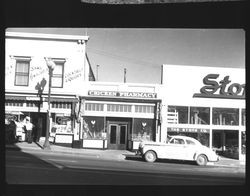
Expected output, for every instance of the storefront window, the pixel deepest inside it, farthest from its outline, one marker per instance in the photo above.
(243, 142)
(143, 129)
(202, 135)
(225, 116)
(199, 115)
(177, 114)
(93, 128)
(243, 117)
(225, 142)
(61, 124)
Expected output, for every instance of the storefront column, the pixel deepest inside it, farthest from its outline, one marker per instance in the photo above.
(240, 133)
(210, 130)
(210, 138)
(223, 138)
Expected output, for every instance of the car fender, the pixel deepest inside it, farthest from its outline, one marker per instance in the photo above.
(197, 153)
(149, 148)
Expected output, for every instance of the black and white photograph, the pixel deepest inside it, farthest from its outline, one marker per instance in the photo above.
(125, 106)
(114, 97)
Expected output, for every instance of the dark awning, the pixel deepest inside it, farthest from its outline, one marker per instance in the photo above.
(9, 97)
(54, 99)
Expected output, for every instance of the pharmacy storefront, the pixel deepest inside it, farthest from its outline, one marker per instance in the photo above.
(119, 117)
(207, 103)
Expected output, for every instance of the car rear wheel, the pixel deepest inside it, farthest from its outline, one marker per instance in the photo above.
(201, 160)
(150, 156)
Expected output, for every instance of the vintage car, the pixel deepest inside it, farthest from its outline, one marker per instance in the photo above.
(179, 148)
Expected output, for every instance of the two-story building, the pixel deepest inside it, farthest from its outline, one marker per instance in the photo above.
(26, 80)
(207, 103)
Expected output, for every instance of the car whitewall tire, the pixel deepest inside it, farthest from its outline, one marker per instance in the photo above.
(201, 160)
(150, 156)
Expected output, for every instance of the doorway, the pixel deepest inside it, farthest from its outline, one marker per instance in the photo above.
(117, 135)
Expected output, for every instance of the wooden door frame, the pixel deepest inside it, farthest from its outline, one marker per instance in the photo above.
(118, 123)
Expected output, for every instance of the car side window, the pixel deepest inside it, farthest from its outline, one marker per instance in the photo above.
(177, 141)
(189, 142)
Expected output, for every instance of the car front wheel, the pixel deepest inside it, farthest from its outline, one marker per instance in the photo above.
(150, 156)
(201, 160)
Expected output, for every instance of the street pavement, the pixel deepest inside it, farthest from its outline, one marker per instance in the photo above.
(103, 154)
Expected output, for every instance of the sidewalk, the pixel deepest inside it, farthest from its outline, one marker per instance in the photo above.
(104, 154)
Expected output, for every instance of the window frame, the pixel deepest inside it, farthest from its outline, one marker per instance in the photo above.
(58, 62)
(22, 59)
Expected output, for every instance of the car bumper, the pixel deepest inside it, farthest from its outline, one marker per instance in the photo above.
(139, 152)
(215, 159)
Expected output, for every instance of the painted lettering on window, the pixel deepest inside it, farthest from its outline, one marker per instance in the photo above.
(222, 89)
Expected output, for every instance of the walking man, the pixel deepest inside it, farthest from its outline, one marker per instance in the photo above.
(28, 126)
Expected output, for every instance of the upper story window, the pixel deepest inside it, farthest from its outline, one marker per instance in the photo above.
(225, 116)
(22, 71)
(243, 117)
(57, 76)
(200, 115)
(177, 114)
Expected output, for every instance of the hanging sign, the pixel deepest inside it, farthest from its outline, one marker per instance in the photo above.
(222, 89)
(122, 94)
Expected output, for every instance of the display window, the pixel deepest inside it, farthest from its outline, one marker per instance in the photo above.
(226, 142)
(200, 115)
(143, 129)
(61, 124)
(225, 116)
(93, 128)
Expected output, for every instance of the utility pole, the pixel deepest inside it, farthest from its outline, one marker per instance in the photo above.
(97, 66)
(125, 77)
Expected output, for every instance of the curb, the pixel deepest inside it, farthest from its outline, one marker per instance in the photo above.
(53, 151)
(118, 157)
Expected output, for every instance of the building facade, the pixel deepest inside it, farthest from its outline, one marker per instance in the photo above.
(26, 81)
(207, 103)
(118, 115)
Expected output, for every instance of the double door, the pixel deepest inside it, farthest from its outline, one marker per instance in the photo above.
(117, 135)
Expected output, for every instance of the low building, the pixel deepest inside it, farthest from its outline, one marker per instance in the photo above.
(207, 103)
(118, 115)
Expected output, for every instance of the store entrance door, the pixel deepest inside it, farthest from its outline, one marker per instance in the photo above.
(117, 136)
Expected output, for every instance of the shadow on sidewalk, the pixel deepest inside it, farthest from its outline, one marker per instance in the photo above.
(139, 158)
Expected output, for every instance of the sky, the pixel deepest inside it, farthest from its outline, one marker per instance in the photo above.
(142, 51)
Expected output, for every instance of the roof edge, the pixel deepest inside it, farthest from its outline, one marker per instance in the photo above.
(46, 36)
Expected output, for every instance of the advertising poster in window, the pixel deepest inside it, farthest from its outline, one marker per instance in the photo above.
(93, 128)
(143, 129)
(62, 125)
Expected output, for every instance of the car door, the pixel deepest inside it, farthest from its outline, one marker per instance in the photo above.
(176, 149)
(191, 148)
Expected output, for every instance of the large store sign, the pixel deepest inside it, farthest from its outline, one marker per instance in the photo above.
(221, 89)
(190, 130)
(122, 94)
